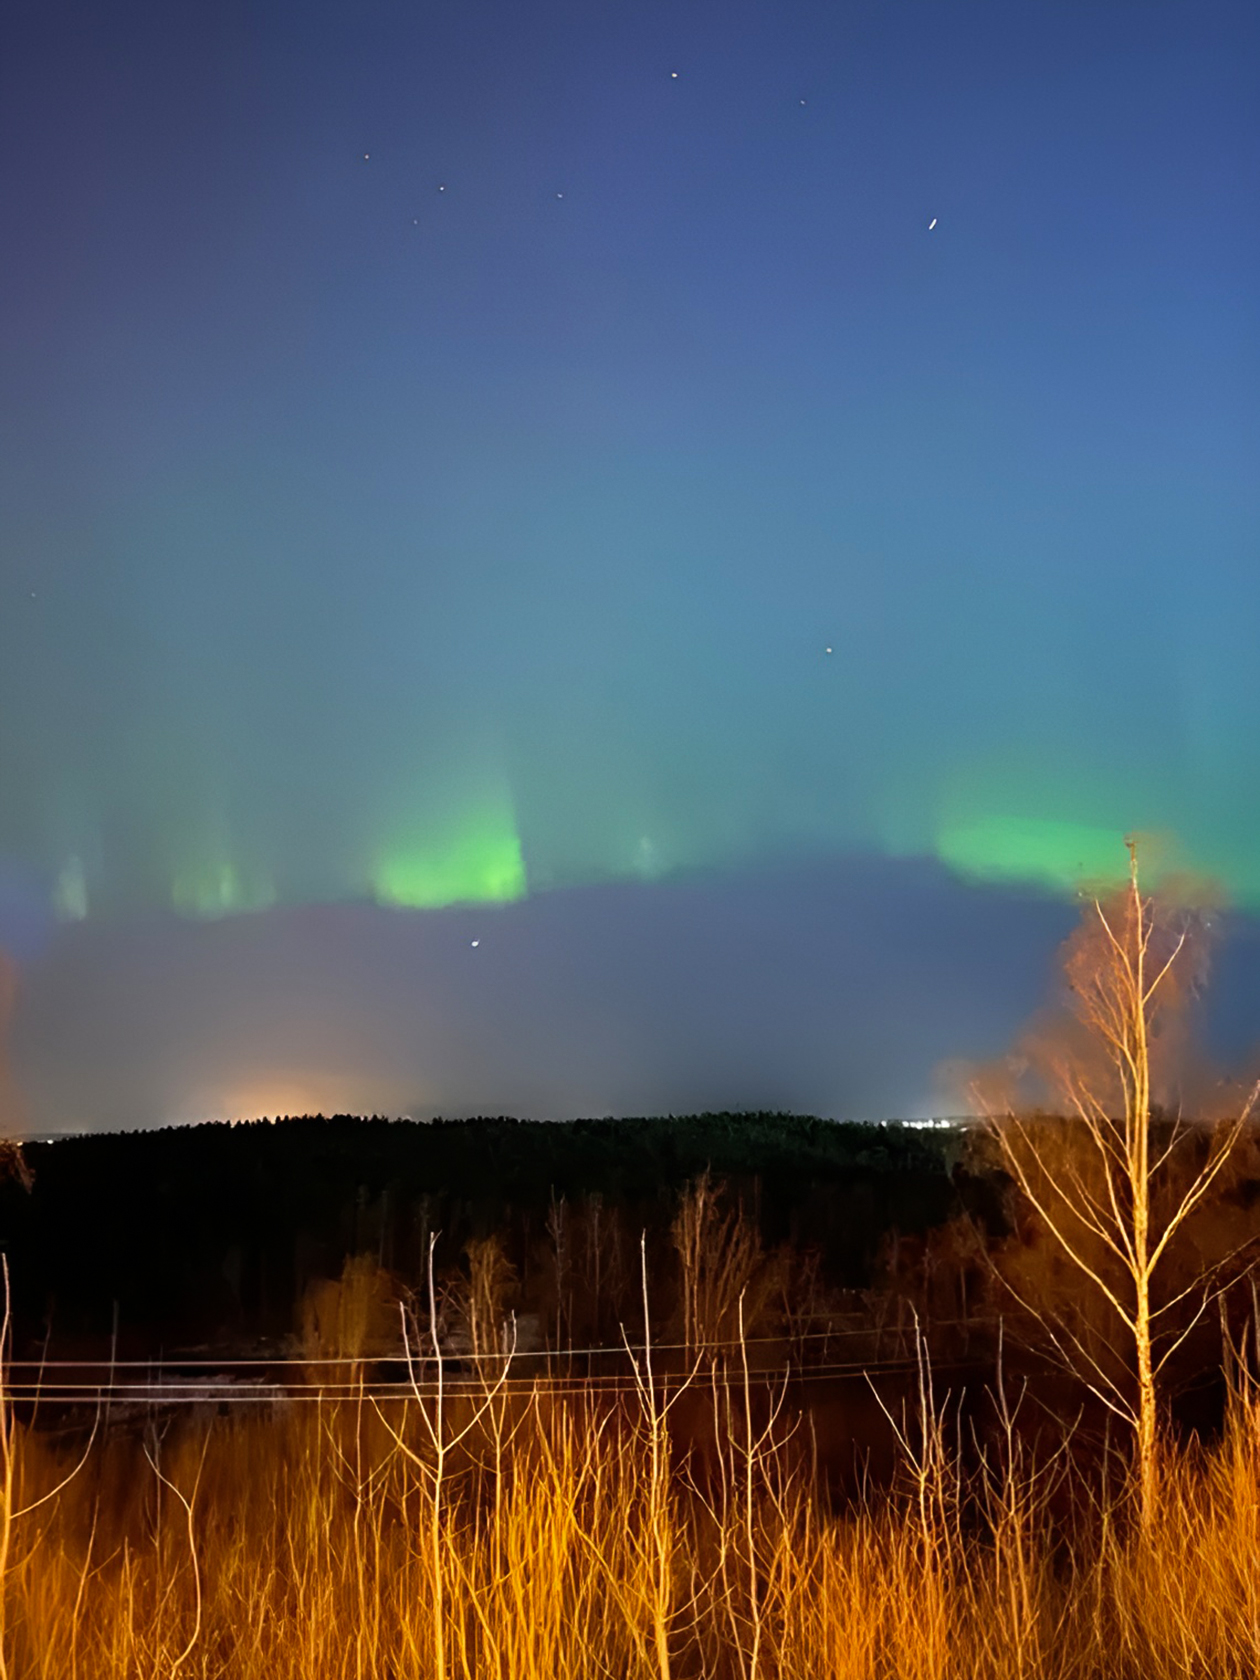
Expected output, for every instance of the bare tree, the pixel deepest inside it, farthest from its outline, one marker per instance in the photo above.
(725, 1274)
(1116, 1179)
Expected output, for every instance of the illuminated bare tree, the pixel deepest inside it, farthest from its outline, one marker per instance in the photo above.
(1115, 1180)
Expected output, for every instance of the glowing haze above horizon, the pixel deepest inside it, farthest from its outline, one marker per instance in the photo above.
(568, 471)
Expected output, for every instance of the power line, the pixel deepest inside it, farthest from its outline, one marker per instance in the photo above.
(176, 1363)
(203, 1393)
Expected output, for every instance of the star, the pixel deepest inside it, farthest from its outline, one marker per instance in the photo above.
(442, 187)
(475, 943)
(802, 101)
(559, 195)
(827, 650)
(366, 156)
(673, 75)
(932, 224)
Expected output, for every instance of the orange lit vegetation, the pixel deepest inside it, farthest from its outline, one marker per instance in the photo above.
(1120, 1185)
(474, 1523)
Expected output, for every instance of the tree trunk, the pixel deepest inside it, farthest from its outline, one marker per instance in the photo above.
(1147, 1420)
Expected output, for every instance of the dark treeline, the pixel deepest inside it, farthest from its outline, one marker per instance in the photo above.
(215, 1234)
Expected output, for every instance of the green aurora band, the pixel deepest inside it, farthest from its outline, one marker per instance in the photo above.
(476, 855)
(478, 861)
(1061, 856)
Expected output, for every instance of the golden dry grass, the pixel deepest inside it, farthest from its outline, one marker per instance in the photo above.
(304, 1545)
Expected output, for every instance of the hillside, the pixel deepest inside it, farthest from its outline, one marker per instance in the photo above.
(213, 1233)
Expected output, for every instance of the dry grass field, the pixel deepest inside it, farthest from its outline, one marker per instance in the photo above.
(522, 1529)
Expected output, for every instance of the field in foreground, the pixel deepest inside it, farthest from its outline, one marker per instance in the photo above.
(492, 1528)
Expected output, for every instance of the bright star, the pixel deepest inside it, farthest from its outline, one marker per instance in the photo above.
(932, 224)
(475, 943)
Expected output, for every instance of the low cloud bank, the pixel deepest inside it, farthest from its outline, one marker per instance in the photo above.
(833, 988)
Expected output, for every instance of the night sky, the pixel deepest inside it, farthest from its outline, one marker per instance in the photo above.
(737, 509)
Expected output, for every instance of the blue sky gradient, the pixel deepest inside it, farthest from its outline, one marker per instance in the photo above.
(441, 445)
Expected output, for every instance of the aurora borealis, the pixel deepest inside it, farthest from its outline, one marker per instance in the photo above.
(463, 456)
